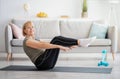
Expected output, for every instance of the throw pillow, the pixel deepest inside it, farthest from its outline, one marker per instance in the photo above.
(98, 30)
(17, 31)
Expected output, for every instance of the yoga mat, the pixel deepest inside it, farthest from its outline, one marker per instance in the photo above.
(60, 69)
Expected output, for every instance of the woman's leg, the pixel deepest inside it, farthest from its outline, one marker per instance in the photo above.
(47, 60)
(64, 41)
(50, 55)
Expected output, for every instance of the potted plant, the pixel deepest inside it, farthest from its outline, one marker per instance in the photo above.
(84, 9)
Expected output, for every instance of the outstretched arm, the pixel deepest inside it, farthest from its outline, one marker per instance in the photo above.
(44, 45)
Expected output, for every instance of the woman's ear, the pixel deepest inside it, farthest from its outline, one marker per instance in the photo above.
(24, 32)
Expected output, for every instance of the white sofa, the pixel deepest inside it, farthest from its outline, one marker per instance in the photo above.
(46, 29)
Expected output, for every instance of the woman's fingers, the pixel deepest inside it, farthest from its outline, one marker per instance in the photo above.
(71, 47)
(64, 48)
(67, 48)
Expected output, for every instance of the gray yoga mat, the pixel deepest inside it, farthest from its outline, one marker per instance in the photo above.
(60, 69)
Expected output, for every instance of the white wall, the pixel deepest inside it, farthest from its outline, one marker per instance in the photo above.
(54, 8)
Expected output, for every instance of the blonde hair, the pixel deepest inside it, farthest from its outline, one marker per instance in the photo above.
(25, 25)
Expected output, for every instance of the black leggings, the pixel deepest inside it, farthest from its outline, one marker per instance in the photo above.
(48, 59)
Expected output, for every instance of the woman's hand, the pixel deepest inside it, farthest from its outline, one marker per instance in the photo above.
(71, 47)
(64, 48)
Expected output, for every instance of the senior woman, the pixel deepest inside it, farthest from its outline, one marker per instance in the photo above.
(43, 54)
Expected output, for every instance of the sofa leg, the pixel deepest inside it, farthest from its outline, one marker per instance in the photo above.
(9, 56)
(113, 56)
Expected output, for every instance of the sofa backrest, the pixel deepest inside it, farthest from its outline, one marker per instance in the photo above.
(48, 28)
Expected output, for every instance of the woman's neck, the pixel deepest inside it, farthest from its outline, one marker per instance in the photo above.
(31, 37)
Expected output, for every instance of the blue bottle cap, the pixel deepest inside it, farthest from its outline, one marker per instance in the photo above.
(104, 51)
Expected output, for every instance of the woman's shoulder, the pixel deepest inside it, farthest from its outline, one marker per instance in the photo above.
(26, 38)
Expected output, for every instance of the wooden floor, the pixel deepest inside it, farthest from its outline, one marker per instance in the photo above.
(66, 60)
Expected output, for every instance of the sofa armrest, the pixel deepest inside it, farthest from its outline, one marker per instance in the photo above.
(112, 34)
(8, 38)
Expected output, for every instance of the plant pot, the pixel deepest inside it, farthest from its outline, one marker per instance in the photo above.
(84, 14)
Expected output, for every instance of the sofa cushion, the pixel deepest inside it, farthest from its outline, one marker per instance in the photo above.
(101, 42)
(98, 30)
(19, 42)
(17, 31)
(75, 28)
(45, 28)
(97, 42)
(46, 40)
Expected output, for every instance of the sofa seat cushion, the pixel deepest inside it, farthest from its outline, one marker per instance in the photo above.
(19, 42)
(101, 42)
(46, 40)
(97, 42)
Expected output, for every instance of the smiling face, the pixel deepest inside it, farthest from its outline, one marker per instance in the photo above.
(28, 29)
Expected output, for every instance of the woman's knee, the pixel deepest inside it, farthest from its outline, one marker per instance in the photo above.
(57, 37)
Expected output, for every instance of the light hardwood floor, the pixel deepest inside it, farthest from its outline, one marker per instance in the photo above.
(65, 59)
